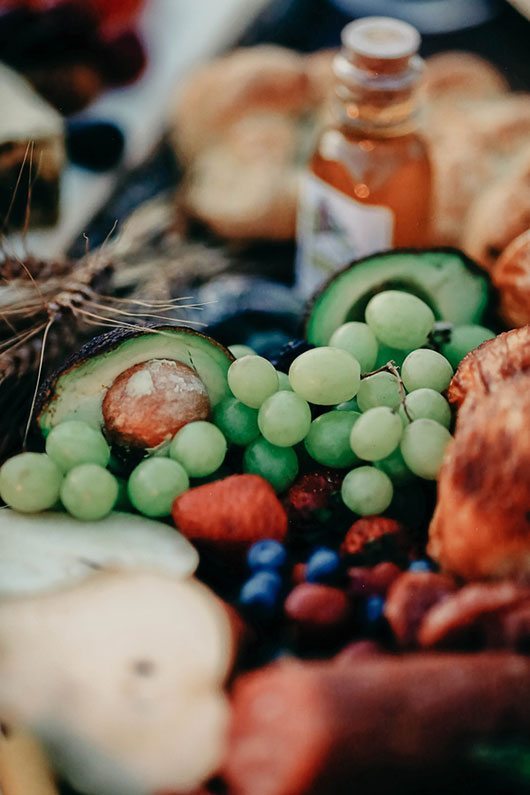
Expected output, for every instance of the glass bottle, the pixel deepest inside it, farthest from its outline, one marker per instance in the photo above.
(368, 185)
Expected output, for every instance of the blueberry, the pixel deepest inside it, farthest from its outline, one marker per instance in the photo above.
(323, 565)
(289, 352)
(373, 609)
(95, 145)
(266, 554)
(420, 565)
(261, 591)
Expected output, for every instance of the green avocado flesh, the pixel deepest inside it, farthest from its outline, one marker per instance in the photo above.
(446, 280)
(78, 391)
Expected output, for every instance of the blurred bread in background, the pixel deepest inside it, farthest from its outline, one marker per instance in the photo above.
(244, 126)
(511, 276)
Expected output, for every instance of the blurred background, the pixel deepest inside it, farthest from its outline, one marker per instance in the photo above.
(188, 174)
(122, 61)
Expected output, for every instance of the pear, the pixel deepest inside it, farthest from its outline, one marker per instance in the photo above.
(41, 552)
(120, 677)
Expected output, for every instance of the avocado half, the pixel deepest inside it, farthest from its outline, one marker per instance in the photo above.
(446, 279)
(77, 389)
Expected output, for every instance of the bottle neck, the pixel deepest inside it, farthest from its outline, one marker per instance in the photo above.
(376, 97)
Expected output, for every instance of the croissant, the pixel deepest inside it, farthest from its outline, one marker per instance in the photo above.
(511, 277)
(481, 525)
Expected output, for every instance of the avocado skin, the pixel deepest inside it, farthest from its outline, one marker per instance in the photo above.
(314, 303)
(103, 343)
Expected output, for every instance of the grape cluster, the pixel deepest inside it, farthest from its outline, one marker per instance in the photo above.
(386, 426)
(382, 427)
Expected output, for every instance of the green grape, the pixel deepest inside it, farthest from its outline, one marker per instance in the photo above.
(328, 440)
(425, 369)
(161, 451)
(423, 445)
(381, 389)
(463, 340)
(123, 502)
(325, 376)
(376, 433)
(154, 485)
(30, 482)
(359, 340)
(284, 383)
(75, 442)
(278, 465)
(252, 380)
(348, 405)
(238, 423)
(89, 492)
(399, 319)
(367, 491)
(386, 355)
(238, 351)
(394, 466)
(284, 419)
(425, 404)
(200, 447)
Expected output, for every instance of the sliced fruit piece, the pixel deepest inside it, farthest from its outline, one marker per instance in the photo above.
(78, 389)
(448, 281)
(121, 678)
(46, 551)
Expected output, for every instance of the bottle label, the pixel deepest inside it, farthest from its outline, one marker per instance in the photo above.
(334, 229)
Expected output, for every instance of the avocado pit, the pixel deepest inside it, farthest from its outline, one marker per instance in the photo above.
(148, 403)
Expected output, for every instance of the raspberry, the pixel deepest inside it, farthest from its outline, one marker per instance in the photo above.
(368, 529)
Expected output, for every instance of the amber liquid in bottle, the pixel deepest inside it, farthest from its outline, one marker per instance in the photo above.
(374, 155)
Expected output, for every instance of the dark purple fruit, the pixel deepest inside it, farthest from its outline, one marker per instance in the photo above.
(94, 145)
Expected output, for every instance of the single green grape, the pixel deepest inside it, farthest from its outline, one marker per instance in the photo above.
(75, 442)
(237, 422)
(200, 447)
(380, 389)
(154, 485)
(399, 319)
(328, 440)
(30, 482)
(348, 405)
(423, 446)
(252, 380)
(283, 381)
(284, 419)
(463, 340)
(278, 465)
(425, 404)
(89, 492)
(325, 376)
(359, 340)
(425, 369)
(395, 467)
(376, 433)
(367, 491)
(238, 351)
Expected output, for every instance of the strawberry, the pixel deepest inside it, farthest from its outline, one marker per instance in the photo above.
(230, 514)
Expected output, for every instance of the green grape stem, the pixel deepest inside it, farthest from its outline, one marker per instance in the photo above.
(393, 368)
